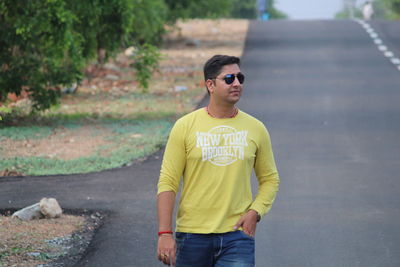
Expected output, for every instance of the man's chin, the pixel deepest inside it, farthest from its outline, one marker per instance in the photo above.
(234, 100)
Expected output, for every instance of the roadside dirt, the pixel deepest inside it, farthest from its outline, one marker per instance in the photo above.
(186, 48)
(63, 143)
(46, 242)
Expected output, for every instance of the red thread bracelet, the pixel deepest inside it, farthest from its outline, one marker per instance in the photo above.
(165, 232)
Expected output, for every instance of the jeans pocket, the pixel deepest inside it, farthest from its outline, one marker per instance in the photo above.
(246, 235)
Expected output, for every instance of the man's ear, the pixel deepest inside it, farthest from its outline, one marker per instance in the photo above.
(210, 85)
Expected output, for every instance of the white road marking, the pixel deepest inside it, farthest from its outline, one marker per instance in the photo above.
(379, 43)
(395, 61)
(382, 48)
(388, 54)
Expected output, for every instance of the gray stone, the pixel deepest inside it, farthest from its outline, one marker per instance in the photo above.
(130, 51)
(29, 213)
(112, 77)
(33, 254)
(50, 208)
(193, 42)
(111, 66)
(180, 88)
(70, 90)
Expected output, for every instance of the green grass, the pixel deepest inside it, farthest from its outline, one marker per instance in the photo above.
(25, 132)
(121, 149)
(134, 125)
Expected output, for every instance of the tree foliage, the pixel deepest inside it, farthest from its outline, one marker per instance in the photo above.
(275, 13)
(198, 9)
(393, 7)
(145, 62)
(45, 45)
(38, 49)
(244, 9)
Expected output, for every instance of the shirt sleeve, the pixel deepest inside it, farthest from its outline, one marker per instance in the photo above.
(267, 175)
(174, 160)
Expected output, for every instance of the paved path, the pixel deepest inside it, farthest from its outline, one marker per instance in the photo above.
(331, 103)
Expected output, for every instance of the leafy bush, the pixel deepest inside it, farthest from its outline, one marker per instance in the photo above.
(244, 9)
(198, 9)
(393, 8)
(148, 22)
(275, 13)
(4, 110)
(44, 45)
(146, 62)
(38, 50)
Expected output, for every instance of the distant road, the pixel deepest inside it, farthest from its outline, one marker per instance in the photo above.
(331, 102)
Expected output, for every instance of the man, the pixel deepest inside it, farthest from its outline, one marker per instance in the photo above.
(368, 10)
(214, 150)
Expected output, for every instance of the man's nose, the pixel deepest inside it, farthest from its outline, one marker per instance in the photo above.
(236, 81)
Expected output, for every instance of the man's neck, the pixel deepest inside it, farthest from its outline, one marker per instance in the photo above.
(221, 111)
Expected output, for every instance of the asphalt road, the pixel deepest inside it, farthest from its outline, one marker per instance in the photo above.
(330, 100)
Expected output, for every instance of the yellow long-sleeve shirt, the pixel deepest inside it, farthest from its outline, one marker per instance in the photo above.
(216, 157)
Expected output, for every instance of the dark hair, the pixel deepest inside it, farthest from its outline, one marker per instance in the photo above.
(214, 65)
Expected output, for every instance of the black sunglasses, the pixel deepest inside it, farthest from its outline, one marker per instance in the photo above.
(230, 78)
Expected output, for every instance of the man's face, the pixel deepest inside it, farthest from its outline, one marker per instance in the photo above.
(223, 92)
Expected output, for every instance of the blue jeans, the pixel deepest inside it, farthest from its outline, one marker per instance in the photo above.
(232, 249)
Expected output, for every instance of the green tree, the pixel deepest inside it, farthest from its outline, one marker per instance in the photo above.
(104, 26)
(345, 13)
(244, 9)
(38, 49)
(146, 61)
(149, 18)
(44, 45)
(393, 8)
(198, 9)
(275, 13)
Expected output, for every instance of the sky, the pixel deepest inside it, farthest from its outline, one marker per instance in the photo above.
(310, 9)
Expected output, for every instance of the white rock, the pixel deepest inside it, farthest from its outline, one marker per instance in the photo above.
(29, 213)
(130, 51)
(33, 254)
(70, 90)
(50, 208)
(112, 77)
(111, 66)
(193, 42)
(180, 88)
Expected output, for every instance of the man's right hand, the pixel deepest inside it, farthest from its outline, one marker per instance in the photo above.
(166, 249)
